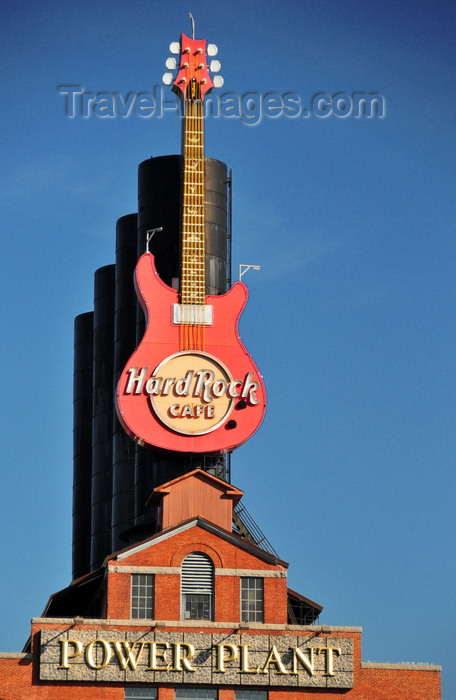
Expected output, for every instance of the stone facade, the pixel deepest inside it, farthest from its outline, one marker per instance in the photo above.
(286, 660)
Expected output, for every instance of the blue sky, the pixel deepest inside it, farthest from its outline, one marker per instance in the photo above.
(351, 318)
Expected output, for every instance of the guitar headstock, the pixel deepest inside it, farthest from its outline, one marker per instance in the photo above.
(193, 70)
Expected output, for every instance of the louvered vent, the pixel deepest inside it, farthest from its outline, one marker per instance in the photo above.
(197, 586)
(197, 574)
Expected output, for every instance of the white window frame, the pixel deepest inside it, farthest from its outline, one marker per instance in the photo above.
(249, 614)
(148, 586)
(197, 579)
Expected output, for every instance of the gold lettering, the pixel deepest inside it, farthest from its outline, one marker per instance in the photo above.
(129, 659)
(245, 660)
(107, 653)
(65, 655)
(154, 654)
(308, 663)
(329, 658)
(181, 658)
(274, 658)
(222, 659)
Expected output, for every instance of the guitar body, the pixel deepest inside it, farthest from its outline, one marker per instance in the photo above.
(189, 388)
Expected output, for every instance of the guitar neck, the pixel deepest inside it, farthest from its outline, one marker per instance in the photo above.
(193, 258)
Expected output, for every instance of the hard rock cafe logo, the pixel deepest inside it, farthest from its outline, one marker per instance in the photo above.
(192, 392)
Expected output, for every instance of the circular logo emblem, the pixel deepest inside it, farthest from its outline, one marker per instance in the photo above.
(192, 392)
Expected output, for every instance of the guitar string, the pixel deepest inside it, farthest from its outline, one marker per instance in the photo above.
(192, 334)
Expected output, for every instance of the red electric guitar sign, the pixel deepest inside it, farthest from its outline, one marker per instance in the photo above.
(191, 385)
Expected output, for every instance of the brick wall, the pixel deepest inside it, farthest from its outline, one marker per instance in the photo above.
(418, 682)
(20, 674)
(224, 555)
(17, 682)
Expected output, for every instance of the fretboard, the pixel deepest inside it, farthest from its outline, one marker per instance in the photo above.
(193, 263)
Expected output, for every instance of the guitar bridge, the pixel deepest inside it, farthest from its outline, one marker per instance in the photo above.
(192, 314)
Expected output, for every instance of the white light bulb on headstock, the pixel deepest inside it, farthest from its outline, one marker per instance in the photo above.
(218, 81)
(212, 50)
(174, 47)
(171, 63)
(167, 78)
(215, 66)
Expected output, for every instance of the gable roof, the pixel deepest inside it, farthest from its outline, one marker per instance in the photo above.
(201, 475)
(174, 530)
(196, 493)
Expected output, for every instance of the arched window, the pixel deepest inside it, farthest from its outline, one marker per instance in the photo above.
(197, 583)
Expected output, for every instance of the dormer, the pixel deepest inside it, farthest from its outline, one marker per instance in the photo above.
(195, 494)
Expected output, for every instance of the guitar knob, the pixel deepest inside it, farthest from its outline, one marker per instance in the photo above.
(212, 50)
(218, 81)
(171, 63)
(215, 66)
(174, 47)
(167, 78)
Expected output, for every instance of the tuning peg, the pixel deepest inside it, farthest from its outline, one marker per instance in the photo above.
(218, 81)
(212, 50)
(167, 78)
(215, 66)
(171, 63)
(174, 47)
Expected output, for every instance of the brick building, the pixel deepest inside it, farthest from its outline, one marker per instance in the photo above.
(196, 611)
(174, 596)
